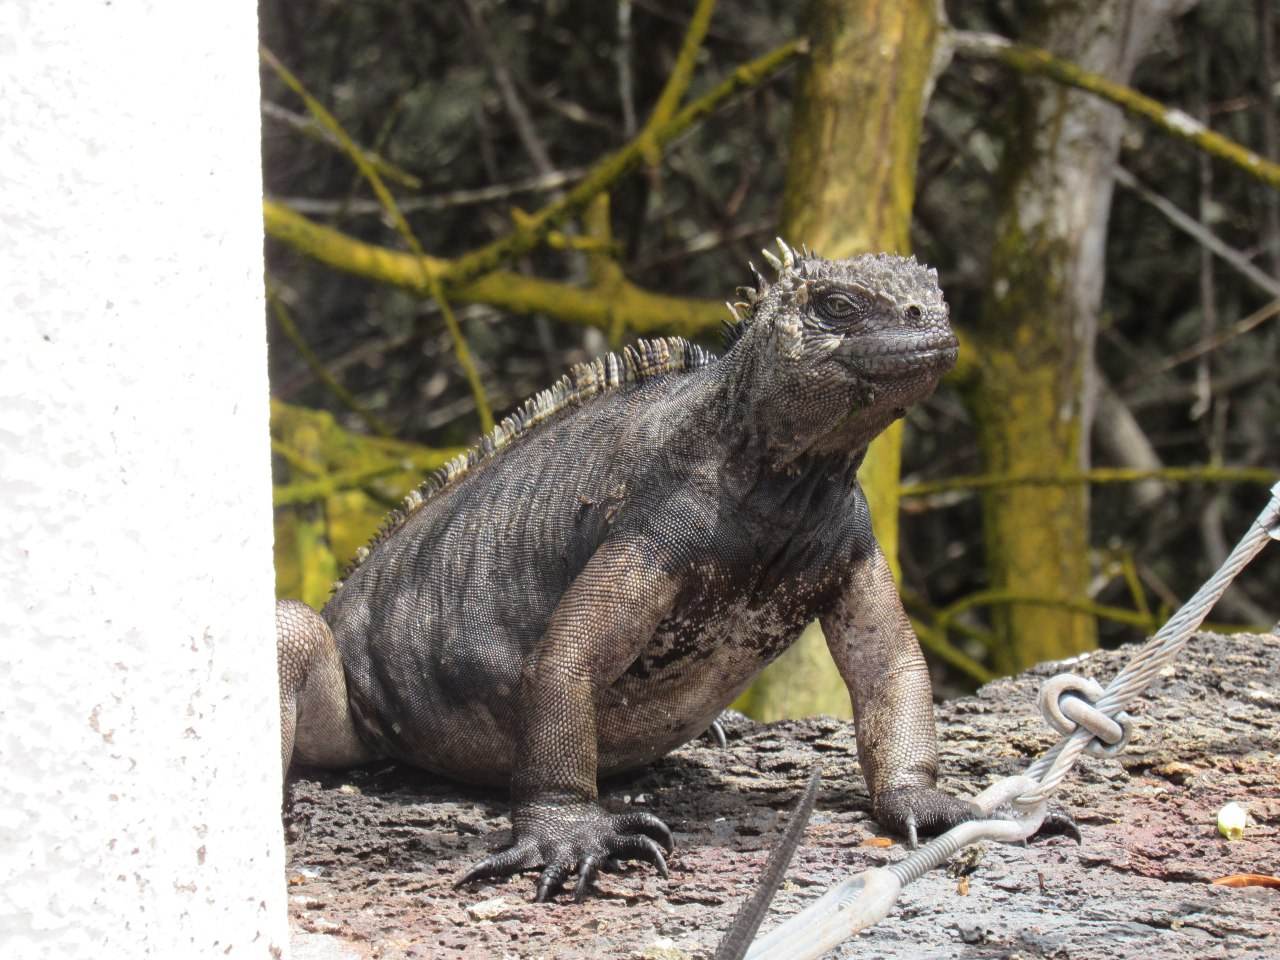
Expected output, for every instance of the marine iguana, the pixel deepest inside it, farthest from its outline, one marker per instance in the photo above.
(592, 584)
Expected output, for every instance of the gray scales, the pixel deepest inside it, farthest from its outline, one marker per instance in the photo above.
(590, 586)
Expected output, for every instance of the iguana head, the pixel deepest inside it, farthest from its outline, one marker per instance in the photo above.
(835, 350)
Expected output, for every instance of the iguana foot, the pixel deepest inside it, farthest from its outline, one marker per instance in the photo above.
(910, 811)
(561, 838)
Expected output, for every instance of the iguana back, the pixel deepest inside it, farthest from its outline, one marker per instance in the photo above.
(437, 617)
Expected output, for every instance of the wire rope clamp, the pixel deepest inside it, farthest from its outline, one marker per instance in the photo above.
(1067, 704)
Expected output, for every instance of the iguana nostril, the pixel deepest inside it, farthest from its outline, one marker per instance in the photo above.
(914, 313)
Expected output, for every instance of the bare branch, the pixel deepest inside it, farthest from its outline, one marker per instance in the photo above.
(312, 360)
(608, 170)
(309, 127)
(1176, 123)
(330, 123)
(1193, 227)
(511, 99)
(1239, 328)
(626, 85)
(1117, 431)
(638, 309)
(1270, 146)
(1208, 288)
(438, 201)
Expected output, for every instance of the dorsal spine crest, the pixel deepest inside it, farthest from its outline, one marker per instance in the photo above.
(643, 360)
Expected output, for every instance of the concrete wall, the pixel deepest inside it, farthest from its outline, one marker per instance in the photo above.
(139, 780)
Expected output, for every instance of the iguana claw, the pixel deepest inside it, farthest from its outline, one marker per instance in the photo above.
(910, 811)
(716, 733)
(581, 837)
(1059, 823)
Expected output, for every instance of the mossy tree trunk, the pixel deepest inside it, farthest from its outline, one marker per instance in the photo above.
(1031, 398)
(850, 187)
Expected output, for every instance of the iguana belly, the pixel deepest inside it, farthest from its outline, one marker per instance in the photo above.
(690, 673)
(692, 668)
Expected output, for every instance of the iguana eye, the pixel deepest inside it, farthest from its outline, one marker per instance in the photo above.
(836, 306)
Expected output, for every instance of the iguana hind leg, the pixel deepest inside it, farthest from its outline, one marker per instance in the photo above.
(315, 718)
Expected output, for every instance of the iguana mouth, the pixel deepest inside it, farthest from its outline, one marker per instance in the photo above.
(895, 357)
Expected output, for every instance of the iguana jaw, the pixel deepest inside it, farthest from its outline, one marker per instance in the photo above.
(894, 357)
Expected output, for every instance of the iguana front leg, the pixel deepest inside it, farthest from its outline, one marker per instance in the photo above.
(878, 656)
(598, 628)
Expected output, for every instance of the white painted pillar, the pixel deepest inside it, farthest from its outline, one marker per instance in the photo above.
(139, 767)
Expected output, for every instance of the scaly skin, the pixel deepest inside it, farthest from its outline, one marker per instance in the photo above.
(594, 592)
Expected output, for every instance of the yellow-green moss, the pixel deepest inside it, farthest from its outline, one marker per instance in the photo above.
(331, 507)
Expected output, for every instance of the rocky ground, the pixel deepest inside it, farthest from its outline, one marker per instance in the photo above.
(373, 853)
